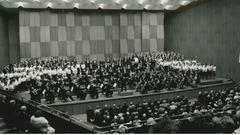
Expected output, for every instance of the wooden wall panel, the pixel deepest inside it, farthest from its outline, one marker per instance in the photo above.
(152, 31)
(88, 34)
(71, 33)
(210, 32)
(130, 32)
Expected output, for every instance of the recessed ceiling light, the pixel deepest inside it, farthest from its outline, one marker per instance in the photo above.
(185, 2)
(117, 1)
(163, 2)
(36, 0)
(20, 4)
(124, 6)
(76, 5)
(101, 6)
(146, 6)
(141, 2)
(92, 1)
(66, 1)
(49, 5)
(168, 6)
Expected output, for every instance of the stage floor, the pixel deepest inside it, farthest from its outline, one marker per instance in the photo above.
(26, 94)
(88, 98)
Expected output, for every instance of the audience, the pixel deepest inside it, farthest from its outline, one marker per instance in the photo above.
(63, 77)
(134, 114)
(22, 119)
(212, 112)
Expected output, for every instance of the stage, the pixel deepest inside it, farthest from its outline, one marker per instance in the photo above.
(74, 112)
(78, 107)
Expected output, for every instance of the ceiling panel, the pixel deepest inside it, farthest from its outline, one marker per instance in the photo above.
(96, 4)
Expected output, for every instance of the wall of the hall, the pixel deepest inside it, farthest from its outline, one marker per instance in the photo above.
(9, 39)
(210, 31)
(4, 49)
(13, 32)
(89, 34)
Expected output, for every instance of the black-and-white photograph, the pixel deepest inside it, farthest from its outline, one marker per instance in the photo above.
(119, 66)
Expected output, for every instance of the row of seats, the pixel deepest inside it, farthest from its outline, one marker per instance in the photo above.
(212, 112)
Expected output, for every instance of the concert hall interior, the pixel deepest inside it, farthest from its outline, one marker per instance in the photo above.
(119, 66)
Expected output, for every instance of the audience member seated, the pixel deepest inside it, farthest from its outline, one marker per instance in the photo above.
(23, 119)
(40, 123)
